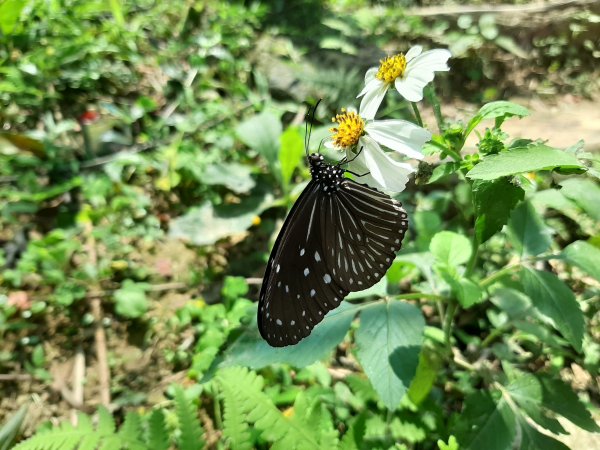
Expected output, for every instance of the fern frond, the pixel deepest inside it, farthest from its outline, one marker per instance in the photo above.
(235, 428)
(283, 432)
(189, 425)
(158, 435)
(84, 437)
(354, 437)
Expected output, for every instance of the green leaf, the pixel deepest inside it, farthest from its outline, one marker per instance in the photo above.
(450, 248)
(261, 133)
(443, 170)
(234, 287)
(206, 224)
(493, 202)
(532, 439)
(157, 431)
(512, 302)
(10, 13)
(553, 298)
(422, 383)
(291, 153)
(527, 231)
(130, 299)
(585, 256)
(353, 438)
(451, 445)
(11, 428)
(585, 193)
(496, 110)
(466, 291)
(389, 341)
(251, 350)
(523, 159)
(234, 176)
(486, 423)
(560, 398)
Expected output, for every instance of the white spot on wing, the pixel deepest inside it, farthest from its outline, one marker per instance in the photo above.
(279, 322)
(306, 272)
(317, 257)
(327, 278)
(312, 292)
(302, 251)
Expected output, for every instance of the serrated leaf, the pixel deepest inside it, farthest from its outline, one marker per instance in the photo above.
(585, 193)
(353, 438)
(389, 341)
(532, 439)
(496, 110)
(560, 398)
(450, 248)
(290, 153)
(157, 431)
(585, 256)
(493, 201)
(486, 424)
(251, 350)
(532, 158)
(191, 432)
(527, 231)
(553, 298)
(233, 176)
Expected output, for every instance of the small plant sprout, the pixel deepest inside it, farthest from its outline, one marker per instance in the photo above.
(362, 141)
(409, 73)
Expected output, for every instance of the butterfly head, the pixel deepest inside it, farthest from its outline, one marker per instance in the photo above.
(329, 176)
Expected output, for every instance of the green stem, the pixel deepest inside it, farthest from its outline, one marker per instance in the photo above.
(418, 296)
(451, 153)
(435, 104)
(452, 308)
(492, 336)
(497, 275)
(473, 260)
(417, 113)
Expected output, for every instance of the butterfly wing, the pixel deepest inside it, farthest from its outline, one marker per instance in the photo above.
(330, 244)
(297, 289)
(364, 229)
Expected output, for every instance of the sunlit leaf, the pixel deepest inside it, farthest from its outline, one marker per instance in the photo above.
(585, 256)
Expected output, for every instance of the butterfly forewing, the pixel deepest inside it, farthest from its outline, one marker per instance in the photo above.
(340, 236)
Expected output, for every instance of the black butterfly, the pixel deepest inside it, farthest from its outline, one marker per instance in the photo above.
(340, 236)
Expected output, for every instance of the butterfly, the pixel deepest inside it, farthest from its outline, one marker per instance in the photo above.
(340, 236)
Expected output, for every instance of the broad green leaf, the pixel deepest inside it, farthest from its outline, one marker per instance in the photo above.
(486, 423)
(553, 198)
(496, 110)
(585, 193)
(532, 439)
(10, 13)
(131, 300)
(553, 298)
(290, 153)
(251, 350)
(389, 341)
(426, 224)
(466, 291)
(421, 385)
(261, 133)
(524, 159)
(450, 248)
(493, 201)
(527, 231)
(560, 398)
(512, 302)
(206, 224)
(585, 256)
(234, 176)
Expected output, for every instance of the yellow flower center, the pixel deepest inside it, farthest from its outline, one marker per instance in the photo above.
(391, 68)
(350, 128)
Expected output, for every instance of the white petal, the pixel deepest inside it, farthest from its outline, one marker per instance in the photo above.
(388, 174)
(370, 75)
(328, 143)
(372, 99)
(411, 88)
(413, 52)
(399, 135)
(373, 84)
(431, 61)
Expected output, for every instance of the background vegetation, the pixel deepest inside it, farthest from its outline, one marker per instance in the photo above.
(148, 154)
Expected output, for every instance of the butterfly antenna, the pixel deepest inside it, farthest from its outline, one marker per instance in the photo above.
(308, 132)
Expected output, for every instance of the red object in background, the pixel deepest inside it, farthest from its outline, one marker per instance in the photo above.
(89, 117)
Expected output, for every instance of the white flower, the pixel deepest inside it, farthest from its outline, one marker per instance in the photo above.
(409, 73)
(355, 136)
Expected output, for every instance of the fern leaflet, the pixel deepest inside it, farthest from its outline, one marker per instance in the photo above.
(191, 431)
